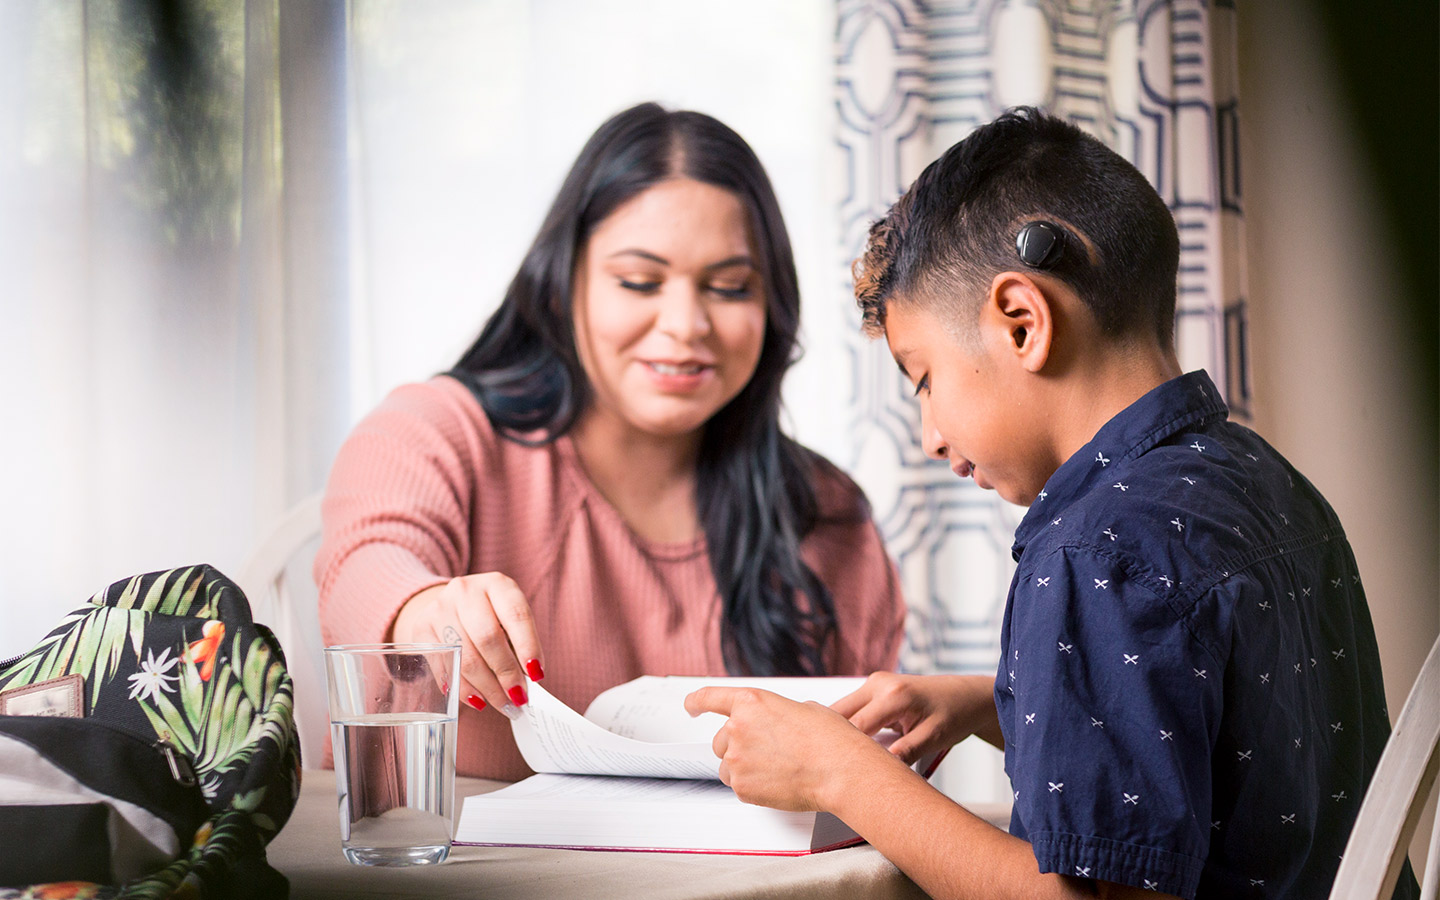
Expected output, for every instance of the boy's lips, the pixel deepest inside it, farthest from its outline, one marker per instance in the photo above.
(962, 467)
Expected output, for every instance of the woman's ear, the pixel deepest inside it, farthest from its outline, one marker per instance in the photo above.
(1018, 311)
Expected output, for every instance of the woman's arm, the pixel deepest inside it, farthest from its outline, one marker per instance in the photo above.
(394, 559)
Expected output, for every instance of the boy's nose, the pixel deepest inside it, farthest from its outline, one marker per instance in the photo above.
(930, 439)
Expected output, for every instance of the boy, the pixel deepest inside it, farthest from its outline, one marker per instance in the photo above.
(1189, 696)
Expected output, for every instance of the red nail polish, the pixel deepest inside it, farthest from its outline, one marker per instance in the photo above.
(444, 687)
(532, 668)
(476, 701)
(517, 695)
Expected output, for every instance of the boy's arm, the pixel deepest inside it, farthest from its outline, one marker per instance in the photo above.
(775, 752)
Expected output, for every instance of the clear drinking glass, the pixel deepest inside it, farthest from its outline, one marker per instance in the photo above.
(393, 709)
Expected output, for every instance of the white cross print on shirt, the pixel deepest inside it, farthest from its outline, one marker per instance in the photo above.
(1243, 755)
(1065, 648)
(1082, 871)
(1188, 480)
(1288, 820)
(1179, 526)
(1338, 654)
(1042, 496)
(1151, 885)
(1096, 723)
(1057, 788)
(1336, 728)
(1056, 520)
(1336, 582)
(1132, 799)
(1043, 582)
(1167, 735)
(1264, 604)
(1253, 456)
(1338, 797)
(1199, 447)
(1102, 584)
(1110, 534)
(1030, 719)
(1257, 882)
(1200, 673)
(1131, 660)
(1264, 677)
(1102, 459)
(1168, 582)
(1122, 486)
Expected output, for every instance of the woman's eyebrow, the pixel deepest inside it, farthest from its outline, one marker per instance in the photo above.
(742, 259)
(644, 254)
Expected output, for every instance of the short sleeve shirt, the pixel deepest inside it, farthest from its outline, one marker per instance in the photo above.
(1190, 689)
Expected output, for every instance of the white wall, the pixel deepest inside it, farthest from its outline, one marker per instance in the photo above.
(1337, 384)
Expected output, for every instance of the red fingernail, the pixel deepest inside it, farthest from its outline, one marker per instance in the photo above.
(517, 695)
(444, 687)
(532, 668)
(476, 701)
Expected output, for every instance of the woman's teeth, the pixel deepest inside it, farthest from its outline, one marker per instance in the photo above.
(669, 369)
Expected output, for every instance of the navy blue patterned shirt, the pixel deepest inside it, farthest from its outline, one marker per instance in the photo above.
(1190, 689)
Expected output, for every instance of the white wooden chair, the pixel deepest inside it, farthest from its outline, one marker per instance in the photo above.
(282, 593)
(1395, 799)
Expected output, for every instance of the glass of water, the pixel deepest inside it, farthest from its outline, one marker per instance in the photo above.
(393, 709)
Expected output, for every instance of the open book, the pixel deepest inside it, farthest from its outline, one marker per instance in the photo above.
(637, 773)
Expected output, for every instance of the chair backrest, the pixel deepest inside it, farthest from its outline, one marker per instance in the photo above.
(278, 582)
(1394, 801)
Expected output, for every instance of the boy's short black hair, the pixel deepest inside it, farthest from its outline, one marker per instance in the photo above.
(955, 229)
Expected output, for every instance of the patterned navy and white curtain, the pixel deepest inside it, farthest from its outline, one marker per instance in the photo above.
(1155, 80)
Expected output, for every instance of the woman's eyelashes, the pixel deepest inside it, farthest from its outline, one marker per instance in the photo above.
(726, 291)
(922, 385)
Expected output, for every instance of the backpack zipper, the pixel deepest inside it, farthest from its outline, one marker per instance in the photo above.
(180, 768)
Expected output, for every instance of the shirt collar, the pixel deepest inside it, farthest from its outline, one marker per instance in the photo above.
(1166, 410)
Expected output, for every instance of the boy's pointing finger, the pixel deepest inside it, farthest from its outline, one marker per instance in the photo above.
(710, 699)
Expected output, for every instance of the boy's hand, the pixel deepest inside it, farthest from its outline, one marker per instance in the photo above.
(931, 712)
(782, 754)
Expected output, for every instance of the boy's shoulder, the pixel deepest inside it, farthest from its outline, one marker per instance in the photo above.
(1181, 498)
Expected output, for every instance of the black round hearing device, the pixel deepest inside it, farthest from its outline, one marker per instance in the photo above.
(1040, 244)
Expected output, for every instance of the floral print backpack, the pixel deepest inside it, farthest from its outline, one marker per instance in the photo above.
(148, 747)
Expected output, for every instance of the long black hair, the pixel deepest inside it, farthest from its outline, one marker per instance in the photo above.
(754, 486)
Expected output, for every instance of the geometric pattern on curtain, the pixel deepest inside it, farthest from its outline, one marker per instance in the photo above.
(1154, 80)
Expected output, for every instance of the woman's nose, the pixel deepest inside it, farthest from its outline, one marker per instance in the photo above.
(683, 315)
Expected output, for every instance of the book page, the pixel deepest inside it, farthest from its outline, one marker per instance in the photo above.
(652, 708)
(554, 738)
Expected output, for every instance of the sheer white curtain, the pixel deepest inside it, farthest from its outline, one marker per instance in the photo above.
(171, 361)
(1155, 80)
(197, 301)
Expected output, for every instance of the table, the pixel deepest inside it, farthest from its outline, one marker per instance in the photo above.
(307, 851)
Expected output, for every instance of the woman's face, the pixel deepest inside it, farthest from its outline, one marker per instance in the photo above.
(669, 308)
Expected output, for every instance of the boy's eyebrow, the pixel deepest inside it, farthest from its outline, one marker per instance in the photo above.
(899, 356)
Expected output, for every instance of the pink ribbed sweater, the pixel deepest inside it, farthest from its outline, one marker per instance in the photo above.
(424, 490)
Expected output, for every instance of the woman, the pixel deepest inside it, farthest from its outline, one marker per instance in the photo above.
(600, 488)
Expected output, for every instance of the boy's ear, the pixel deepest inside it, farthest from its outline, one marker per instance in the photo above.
(1018, 307)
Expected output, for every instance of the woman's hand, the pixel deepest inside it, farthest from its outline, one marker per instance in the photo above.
(782, 754)
(489, 617)
(931, 712)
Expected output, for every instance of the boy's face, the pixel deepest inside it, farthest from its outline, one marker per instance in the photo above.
(973, 405)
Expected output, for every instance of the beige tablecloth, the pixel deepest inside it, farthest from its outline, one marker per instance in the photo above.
(307, 851)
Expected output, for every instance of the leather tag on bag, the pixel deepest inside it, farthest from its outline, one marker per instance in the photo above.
(63, 696)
